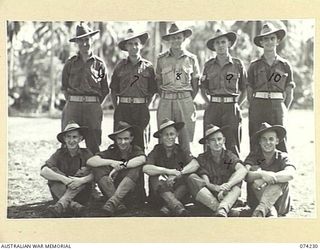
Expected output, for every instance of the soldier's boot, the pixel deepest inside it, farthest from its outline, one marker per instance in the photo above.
(180, 193)
(108, 189)
(125, 186)
(205, 197)
(174, 204)
(69, 195)
(228, 201)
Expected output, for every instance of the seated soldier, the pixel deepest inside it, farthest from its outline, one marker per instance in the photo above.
(217, 183)
(66, 171)
(270, 171)
(167, 165)
(117, 169)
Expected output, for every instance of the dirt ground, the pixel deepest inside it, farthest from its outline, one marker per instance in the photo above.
(32, 140)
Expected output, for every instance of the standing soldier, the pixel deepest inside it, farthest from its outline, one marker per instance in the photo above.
(133, 85)
(270, 83)
(178, 79)
(224, 79)
(85, 86)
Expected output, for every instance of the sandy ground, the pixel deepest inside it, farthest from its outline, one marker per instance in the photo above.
(32, 140)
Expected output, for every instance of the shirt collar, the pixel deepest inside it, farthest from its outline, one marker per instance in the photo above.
(215, 60)
(66, 151)
(184, 53)
(127, 61)
(277, 59)
(118, 149)
(80, 58)
(222, 155)
(174, 150)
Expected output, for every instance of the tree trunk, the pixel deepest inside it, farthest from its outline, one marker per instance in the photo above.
(52, 81)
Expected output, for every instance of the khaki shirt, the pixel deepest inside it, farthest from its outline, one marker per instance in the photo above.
(266, 78)
(175, 74)
(134, 80)
(224, 80)
(85, 78)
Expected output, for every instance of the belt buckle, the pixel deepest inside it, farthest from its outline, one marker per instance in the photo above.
(131, 99)
(84, 98)
(269, 95)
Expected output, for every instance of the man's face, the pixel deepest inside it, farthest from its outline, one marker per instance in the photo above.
(216, 141)
(72, 139)
(134, 47)
(268, 141)
(270, 42)
(168, 136)
(176, 41)
(84, 44)
(221, 45)
(124, 140)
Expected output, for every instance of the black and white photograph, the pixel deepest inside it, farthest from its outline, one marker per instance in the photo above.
(197, 118)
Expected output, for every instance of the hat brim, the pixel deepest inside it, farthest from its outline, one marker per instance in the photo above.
(186, 33)
(232, 37)
(92, 33)
(222, 129)
(281, 133)
(114, 134)
(142, 37)
(83, 131)
(177, 125)
(281, 33)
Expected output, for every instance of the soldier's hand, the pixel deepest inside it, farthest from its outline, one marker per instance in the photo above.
(119, 167)
(75, 183)
(173, 172)
(221, 195)
(258, 183)
(269, 177)
(170, 181)
(116, 165)
(213, 188)
(225, 187)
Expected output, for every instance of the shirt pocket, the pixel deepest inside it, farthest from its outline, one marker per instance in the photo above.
(183, 75)
(95, 75)
(167, 75)
(144, 77)
(213, 79)
(231, 81)
(75, 77)
(260, 76)
(278, 80)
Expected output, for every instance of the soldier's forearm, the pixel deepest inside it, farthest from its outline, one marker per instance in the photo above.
(136, 161)
(191, 167)
(242, 97)
(195, 87)
(238, 176)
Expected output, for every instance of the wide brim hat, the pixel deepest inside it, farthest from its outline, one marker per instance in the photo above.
(232, 37)
(143, 37)
(121, 127)
(72, 126)
(268, 29)
(280, 130)
(175, 30)
(166, 123)
(82, 31)
(210, 130)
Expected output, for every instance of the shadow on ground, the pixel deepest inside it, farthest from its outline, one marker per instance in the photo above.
(93, 209)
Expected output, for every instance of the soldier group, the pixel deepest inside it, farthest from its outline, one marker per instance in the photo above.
(214, 178)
